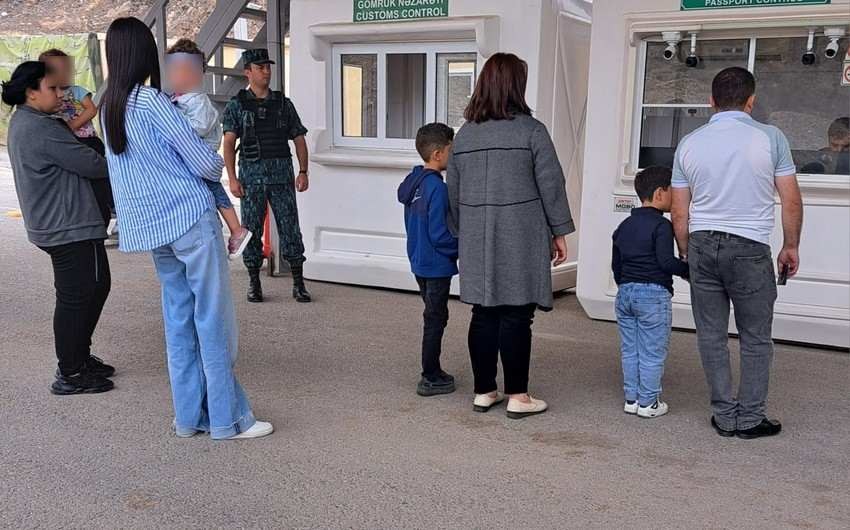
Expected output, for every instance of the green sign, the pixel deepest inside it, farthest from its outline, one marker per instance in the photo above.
(394, 10)
(687, 5)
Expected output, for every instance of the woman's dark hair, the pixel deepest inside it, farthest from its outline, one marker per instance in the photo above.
(500, 91)
(732, 87)
(27, 76)
(132, 58)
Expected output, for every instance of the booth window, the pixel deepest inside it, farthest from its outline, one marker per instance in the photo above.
(674, 99)
(384, 93)
(359, 89)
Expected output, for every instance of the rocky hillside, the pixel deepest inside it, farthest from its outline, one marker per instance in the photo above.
(37, 17)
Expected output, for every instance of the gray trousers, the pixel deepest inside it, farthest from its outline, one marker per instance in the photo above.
(725, 268)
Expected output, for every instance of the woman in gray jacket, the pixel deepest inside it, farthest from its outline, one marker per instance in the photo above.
(53, 173)
(509, 209)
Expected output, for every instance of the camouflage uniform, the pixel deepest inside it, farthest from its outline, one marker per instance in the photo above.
(264, 128)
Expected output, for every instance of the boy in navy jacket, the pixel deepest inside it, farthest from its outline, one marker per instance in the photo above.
(644, 264)
(431, 248)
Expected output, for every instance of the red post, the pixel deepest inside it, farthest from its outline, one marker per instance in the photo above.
(267, 236)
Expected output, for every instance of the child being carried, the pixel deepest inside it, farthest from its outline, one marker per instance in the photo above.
(185, 69)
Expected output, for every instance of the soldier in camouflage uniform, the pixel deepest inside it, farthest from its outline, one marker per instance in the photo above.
(264, 121)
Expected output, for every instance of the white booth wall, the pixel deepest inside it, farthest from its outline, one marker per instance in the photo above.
(815, 305)
(351, 220)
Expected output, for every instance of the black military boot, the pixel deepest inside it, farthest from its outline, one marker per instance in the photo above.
(255, 289)
(299, 290)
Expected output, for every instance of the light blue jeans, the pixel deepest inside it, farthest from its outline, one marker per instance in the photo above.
(200, 333)
(644, 316)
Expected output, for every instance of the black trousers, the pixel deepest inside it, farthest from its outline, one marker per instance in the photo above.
(82, 280)
(435, 294)
(102, 188)
(505, 331)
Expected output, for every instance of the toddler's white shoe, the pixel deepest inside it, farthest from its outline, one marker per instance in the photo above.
(630, 408)
(659, 408)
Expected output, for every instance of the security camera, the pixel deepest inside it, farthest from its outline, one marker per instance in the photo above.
(672, 38)
(808, 58)
(833, 34)
(692, 60)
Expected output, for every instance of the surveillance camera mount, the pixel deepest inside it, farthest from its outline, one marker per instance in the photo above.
(673, 38)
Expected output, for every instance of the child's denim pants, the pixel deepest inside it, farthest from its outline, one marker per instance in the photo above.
(644, 317)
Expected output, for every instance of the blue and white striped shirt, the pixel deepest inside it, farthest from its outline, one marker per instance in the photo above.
(158, 181)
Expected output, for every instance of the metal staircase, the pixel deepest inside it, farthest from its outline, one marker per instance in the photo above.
(217, 34)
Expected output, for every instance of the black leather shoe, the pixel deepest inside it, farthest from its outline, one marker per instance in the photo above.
(722, 432)
(765, 428)
(428, 387)
(82, 382)
(255, 288)
(300, 293)
(95, 365)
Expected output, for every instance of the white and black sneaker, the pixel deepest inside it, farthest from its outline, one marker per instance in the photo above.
(630, 407)
(659, 408)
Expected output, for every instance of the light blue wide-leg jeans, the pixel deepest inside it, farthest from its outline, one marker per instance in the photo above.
(200, 333)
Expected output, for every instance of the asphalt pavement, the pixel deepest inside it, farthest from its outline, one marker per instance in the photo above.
(355, 447)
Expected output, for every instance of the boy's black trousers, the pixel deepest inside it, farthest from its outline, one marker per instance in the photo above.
(435, 294)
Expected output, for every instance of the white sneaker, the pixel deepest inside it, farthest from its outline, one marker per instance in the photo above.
(630, 408)
(519, 409)
(659, 408)
(483, 402)
(258, 430)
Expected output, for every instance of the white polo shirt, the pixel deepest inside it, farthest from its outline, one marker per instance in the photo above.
(730, 164)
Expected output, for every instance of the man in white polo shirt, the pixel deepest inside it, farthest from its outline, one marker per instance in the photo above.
(724, 177)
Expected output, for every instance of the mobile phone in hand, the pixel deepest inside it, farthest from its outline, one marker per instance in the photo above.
(783, 275)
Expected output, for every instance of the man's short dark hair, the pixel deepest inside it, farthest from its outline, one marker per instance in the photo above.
(433, 137)
(732, 87)
(650, 179)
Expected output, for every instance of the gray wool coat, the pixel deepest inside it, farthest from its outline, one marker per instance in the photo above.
(507, 199)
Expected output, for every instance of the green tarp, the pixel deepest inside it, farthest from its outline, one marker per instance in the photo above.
(14, 50)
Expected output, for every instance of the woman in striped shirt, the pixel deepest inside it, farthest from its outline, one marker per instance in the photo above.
(158, 166)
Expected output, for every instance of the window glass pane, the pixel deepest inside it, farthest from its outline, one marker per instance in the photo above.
(673, 82)
(405, 94)
(455, 82)
(360, 95)
(662, 129)
(807, 103)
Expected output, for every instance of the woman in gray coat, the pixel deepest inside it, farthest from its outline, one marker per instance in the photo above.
(509, 209)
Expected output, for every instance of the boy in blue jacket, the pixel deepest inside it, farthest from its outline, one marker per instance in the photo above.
(431, 248)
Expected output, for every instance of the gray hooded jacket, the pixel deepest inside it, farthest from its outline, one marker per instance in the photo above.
(52, 172)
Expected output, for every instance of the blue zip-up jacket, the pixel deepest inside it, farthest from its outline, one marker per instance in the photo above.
(431, 248)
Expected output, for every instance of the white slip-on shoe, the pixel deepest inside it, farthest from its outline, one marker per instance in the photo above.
(519, 409)
(258, 430)
(630, 408)
(659, 408)
(484, 402)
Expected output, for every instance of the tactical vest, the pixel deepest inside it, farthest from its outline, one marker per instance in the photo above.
(264, 127)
